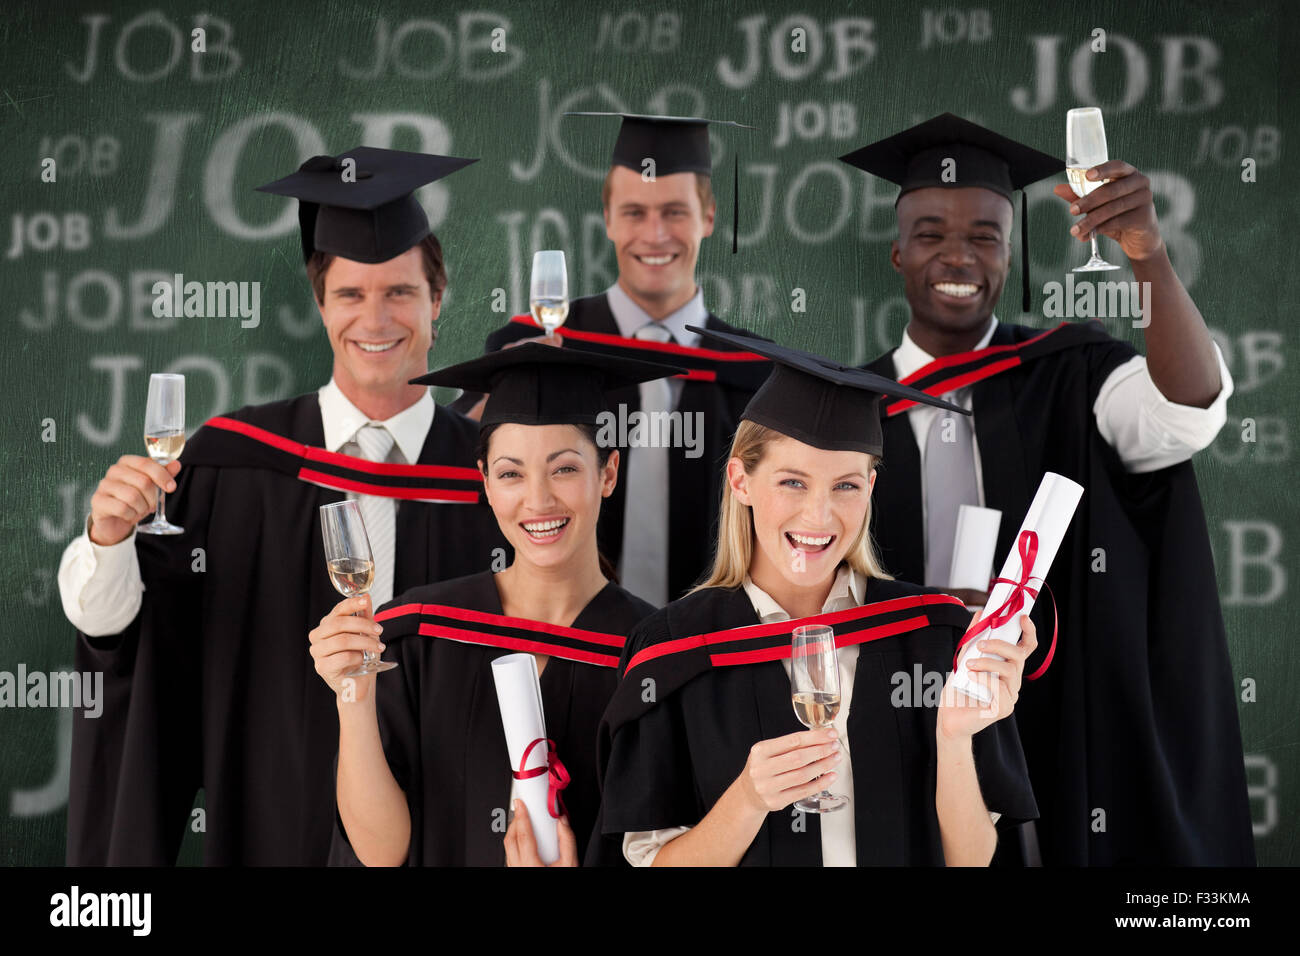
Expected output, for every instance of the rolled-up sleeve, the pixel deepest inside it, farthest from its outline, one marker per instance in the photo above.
(100, 585)
(1148, 431)
(640, 849)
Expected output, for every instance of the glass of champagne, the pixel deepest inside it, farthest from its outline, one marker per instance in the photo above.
(548, 295)
(1085, 147)
(815, 689)
(164, 436)
(351, 567)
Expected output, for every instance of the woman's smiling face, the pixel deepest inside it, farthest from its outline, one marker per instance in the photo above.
(545, 484)
(808, 506)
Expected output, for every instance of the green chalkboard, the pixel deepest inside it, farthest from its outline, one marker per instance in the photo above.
(157, 148)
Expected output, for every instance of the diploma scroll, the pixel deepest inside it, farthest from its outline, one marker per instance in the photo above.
(974, 543)
(1036, 544)
(519, 694)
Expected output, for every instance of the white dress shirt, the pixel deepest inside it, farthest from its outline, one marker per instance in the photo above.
(100, 586)
(839, 847)
(341, 420)
(629, 317)
(1147, 431)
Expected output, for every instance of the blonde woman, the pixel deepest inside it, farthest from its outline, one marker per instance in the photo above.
(703, 756)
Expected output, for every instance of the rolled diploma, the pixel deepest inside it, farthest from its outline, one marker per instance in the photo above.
(974, 542)
(1049, 517)
(519, 694)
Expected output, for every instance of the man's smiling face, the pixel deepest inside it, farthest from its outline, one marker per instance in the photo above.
(954, 251)
(379, 319)
(656, 226)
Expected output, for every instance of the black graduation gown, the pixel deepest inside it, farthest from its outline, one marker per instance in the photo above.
(1137, 714)
(668, 763)
(695, 484)
(441, 726)
(213, 685)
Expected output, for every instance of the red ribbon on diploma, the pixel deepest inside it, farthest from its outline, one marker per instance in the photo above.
(559, 775)
(1027, 544)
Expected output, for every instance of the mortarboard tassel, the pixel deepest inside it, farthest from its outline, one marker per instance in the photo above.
(1026, 304)
(735, 200)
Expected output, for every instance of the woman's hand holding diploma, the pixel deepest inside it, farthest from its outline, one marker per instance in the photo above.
(521, 845)
(962, 716)
(968, 835)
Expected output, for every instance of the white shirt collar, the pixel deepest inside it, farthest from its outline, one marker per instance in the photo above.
(846, 592)
(910, 356)
(629, 316)
(342, 419)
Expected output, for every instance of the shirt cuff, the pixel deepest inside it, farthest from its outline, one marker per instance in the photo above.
(100, 585)
(1147, 430)
(114, 555)
(640, 849)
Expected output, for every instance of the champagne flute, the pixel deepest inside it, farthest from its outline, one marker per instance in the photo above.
(815, 689)
(164, 436)
(351, 566)
(548, 296)
(1085, 147)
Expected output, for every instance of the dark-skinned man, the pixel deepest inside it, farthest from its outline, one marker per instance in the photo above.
(1131, 734)
(658, 202)
(207, 681)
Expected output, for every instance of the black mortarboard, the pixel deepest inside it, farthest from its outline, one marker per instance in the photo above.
(677, 144)
(915, 159)
(373, 218)
(536, 384)
(817, 400)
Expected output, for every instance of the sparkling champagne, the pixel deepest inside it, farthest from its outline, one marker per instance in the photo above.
(816, 708)
(352, 576)
(165, 447)
(550, 313)
(1079, 181)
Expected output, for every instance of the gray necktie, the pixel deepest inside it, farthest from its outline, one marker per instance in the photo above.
(379, 514)
(644, 566)
(949, 484)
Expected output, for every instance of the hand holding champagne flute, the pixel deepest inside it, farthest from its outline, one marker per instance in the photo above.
(815, 691)
(548, 296)
(548, 301)
(1085, 147)
(351, 566)
(164, 436)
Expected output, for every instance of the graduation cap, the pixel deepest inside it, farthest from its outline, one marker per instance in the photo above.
(819, 401)
(677, 144)
(373, 218)
(915, 159)
(536, 384)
